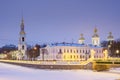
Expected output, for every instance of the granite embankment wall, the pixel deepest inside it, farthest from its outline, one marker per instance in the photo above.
(51, 66)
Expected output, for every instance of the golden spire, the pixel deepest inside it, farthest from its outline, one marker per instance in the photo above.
(95, 30)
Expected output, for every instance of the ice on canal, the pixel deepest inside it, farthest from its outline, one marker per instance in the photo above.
(14, 72)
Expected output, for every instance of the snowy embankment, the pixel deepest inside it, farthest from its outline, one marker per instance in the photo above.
(14, 72)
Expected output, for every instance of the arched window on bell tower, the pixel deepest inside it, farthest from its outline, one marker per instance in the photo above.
(23, 39)
(23, 47)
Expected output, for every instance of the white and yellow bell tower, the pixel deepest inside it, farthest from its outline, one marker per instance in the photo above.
(81, 39)
(22, 47)
(95, 38)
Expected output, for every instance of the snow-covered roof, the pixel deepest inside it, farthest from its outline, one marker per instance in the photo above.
(72, 44)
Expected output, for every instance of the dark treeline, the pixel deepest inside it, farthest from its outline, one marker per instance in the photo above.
(113, 47)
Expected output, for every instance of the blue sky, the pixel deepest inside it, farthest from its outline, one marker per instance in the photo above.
(58, 20)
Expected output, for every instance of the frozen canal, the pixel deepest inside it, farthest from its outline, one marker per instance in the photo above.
(12, 72)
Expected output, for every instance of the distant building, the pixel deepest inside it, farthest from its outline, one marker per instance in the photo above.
(22, 47)
(110, 37)
(72, 51)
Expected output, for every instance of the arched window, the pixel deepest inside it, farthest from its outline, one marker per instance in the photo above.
(71, 56)
(80, 56)
(67, 51)
(83, 51)
(23, 47)
(23, 39)
(74, 51)
(71, 50)
(60, 51)
(77, 51)
(77, 56)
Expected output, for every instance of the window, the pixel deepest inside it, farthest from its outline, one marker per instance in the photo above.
(67, 51)
(80, 56)
(60, 51)
(77, 51)
(23, 39)
(71, 50)
(71, 56)
(23, 47)
(83, 51)
(77, 56)
(74, 51)
(74, 56)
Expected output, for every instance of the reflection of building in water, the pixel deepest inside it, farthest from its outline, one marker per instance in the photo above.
(72, 51)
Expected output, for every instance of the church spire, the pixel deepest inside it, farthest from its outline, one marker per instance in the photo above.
(22, 27)
(95, 30)
(22, 47)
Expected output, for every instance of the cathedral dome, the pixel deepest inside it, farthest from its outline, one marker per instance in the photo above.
(81, 38)
(110, 37)
(22, 32)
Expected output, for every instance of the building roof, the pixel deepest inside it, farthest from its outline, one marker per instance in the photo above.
(72, 44)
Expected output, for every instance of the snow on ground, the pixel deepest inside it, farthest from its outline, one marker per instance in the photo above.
(13, 72)
(115, 70)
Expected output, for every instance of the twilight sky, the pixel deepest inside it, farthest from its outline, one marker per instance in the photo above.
(58, 20)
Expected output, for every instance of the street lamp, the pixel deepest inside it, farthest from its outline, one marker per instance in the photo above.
(35, 48)
(117, 52)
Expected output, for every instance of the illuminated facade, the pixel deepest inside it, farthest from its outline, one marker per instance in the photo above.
(72, 51)
(22, 41)
(69, 52)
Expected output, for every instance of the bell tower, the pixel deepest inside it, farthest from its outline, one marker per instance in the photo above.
(81, 39)
(22, 47)
(95, 38)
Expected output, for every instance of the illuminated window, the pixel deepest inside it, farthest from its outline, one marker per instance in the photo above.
(77, 56)
(74, 51)
(64, 56)
(80, 56)
(74, 56)
(71, 56)
(83, 56)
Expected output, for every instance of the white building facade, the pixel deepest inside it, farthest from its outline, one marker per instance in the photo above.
(69, 52)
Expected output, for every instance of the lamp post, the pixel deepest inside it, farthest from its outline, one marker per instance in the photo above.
(117, 52)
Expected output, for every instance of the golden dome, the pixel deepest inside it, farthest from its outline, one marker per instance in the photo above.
(22, 32)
